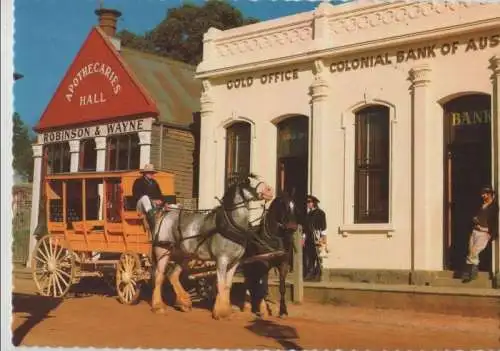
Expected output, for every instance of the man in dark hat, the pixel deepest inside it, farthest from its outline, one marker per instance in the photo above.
(315, 227)
(147, 194)
(485, 227)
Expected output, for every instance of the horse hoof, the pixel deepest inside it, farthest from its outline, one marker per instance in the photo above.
(283, 316)
(159, 310)
(247, 307)
(184, 308)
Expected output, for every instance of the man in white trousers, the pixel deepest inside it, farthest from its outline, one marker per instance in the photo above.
(147, 193)
(485, 227)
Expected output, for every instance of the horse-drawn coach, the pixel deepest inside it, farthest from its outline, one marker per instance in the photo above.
(92, 215)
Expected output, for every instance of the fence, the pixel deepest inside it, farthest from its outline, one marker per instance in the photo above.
(21, 212)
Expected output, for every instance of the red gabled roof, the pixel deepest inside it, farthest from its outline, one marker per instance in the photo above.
(98, 86)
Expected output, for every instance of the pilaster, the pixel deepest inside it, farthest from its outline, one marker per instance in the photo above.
(207, 174)
(74, 150)
(425, 255)
(100, 147)
(495, 154)
(35, 197)
(145, 145)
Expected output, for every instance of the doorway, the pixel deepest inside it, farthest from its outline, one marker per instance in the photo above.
(467, 122)
(292, 158)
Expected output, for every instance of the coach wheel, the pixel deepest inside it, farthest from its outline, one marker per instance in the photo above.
(127, 278)
(53, 266)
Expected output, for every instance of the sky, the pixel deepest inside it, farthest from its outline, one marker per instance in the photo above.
(49, 33)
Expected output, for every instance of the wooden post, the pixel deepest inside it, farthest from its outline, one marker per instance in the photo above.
(298, 281)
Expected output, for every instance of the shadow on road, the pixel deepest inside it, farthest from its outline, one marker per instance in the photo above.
(283, 334)
(38, 308)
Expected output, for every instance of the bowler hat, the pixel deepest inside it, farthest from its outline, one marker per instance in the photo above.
(148, 168)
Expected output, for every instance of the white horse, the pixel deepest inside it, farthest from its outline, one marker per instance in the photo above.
(220, 235)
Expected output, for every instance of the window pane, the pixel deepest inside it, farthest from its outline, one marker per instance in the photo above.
(372, 165)
(135, 152)
(66, 157)
(237, 151)
(111, 154)
(88, 155)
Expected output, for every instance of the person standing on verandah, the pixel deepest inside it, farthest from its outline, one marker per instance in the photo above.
(315, 239)
(485, 227)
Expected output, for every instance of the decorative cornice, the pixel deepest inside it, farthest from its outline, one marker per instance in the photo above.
(209, 71)
(144, 138)
(495, 64)
(420, 75)
(397, 14)
(267, 40)
(319, 86)
(37, 150)
(100, 142)
(74, 146)
(206, 99)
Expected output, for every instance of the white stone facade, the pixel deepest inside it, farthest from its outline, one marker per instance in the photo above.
(327, 64)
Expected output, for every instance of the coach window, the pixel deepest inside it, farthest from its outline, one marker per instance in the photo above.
(237, 151)
(57, 157)
(372, 165)
(88, 155)
(123, 152)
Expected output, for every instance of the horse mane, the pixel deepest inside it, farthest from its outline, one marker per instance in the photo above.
(235, 182)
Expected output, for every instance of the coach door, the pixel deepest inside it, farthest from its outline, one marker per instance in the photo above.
(467, 168)
(292, 157)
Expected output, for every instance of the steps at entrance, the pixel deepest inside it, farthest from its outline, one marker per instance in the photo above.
(402, 277)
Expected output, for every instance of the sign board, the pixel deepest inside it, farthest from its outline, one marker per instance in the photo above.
(114, 128)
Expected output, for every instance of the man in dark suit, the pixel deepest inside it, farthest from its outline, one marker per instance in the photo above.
(315, 227)
(147, 194)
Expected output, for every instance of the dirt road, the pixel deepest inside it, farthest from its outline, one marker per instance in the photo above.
(101, 321)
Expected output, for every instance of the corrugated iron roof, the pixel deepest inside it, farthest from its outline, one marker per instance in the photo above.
(170, 83)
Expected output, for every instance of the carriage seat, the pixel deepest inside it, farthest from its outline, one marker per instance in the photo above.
(129, 203)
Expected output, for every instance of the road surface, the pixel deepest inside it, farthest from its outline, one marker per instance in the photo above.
(101, 321)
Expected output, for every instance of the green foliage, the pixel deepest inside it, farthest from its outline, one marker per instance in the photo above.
(21, 148)
(180, 34)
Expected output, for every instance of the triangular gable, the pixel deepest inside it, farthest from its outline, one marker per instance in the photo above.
(98, 86)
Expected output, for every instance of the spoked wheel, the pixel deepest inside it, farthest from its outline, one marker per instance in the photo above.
(127, 278)
(53, 266)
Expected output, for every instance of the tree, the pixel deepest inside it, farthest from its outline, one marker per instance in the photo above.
(180, 34)
(21, 148)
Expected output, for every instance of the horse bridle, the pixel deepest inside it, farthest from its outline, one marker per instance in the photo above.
(244, 202)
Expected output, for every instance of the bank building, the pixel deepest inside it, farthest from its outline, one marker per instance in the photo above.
(387, 112)
(118, 109)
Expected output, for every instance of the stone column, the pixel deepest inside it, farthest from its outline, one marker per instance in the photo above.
(100, 146)
(35, 197)
(495, 154)
(207, 171)
(74, 149)
(325, 135)
(145, 144)
(319, 106)
(424, 235)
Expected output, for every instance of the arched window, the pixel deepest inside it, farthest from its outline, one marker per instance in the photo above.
(123, 152)
(57, 157)
(237, 150)
(88, 155)
(372, 165)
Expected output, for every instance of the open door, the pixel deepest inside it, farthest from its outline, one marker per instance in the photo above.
(467, 168)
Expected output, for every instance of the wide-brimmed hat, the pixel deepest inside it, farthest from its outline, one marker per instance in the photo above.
(487, 190)
(148, 168)
(313, 198)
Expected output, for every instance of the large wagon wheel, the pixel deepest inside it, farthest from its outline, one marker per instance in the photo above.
(127, 278)
(53, 266)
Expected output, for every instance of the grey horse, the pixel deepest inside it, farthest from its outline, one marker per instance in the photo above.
(219, 236)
